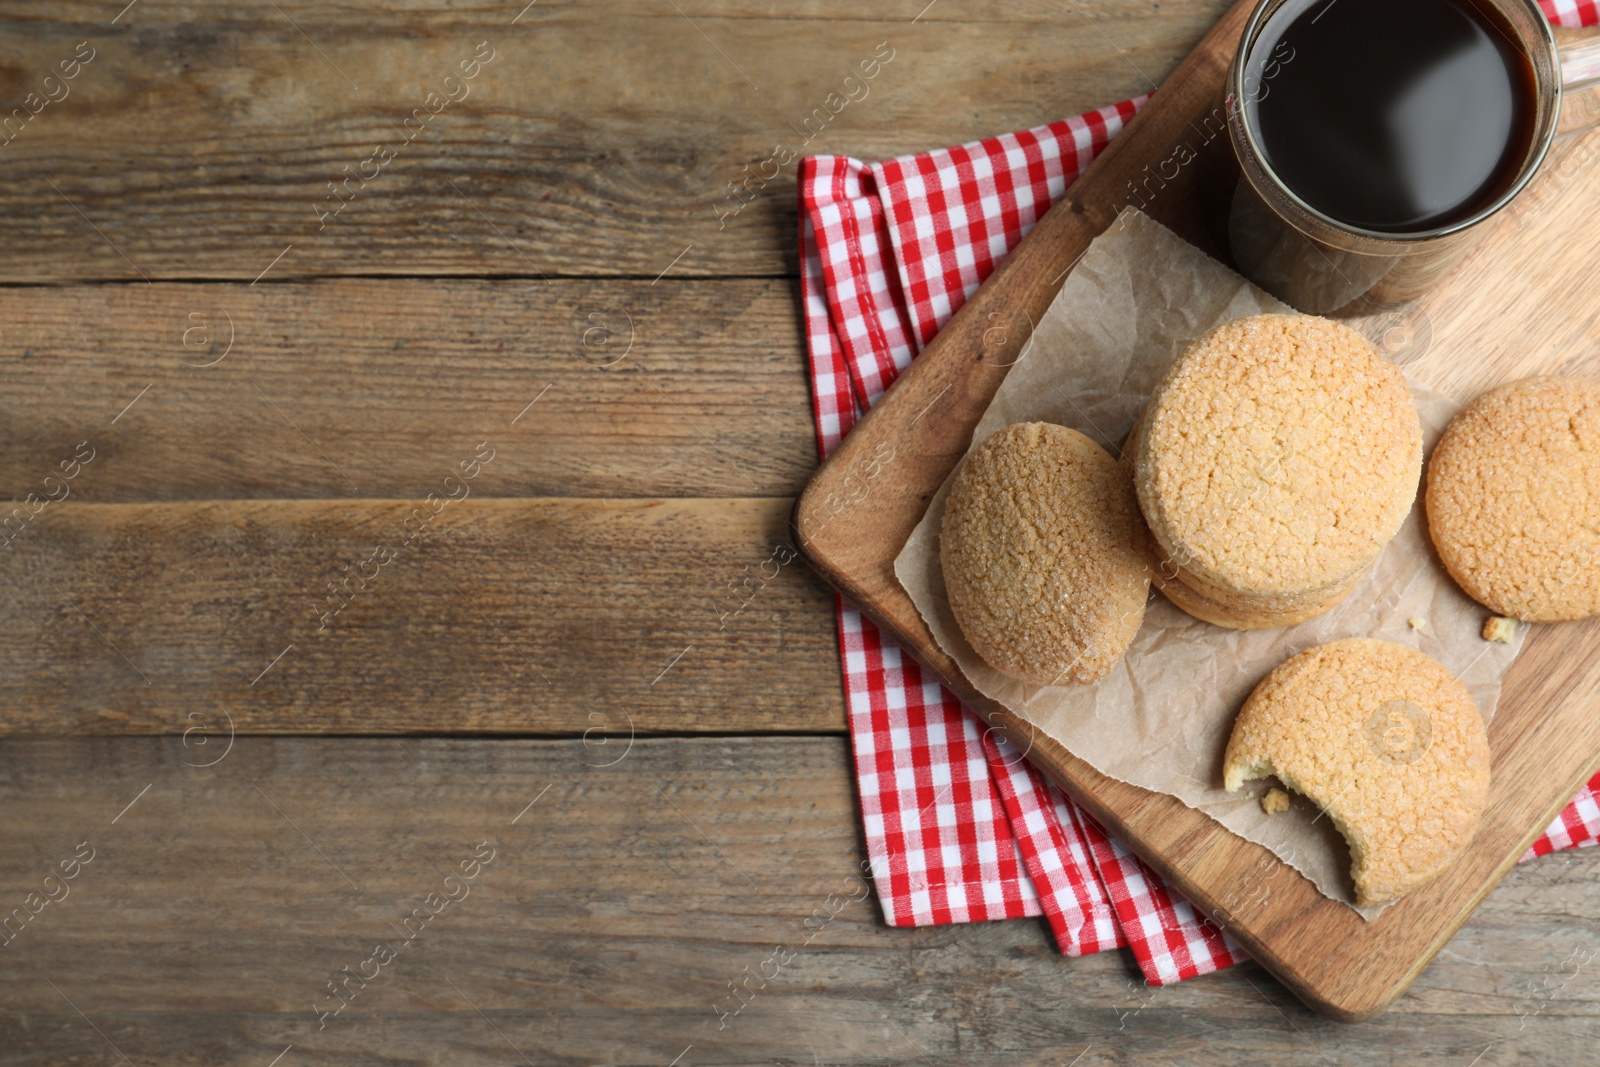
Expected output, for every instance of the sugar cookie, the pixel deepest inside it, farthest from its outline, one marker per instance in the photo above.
(1382, 738)
(1513, 499)
(1043, 553)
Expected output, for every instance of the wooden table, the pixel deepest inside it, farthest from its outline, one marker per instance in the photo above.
(534, 285)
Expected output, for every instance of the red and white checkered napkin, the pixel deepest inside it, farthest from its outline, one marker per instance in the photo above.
(1571, 12)
(958, 827)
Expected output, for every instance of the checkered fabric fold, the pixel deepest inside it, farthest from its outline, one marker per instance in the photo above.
(958, 827)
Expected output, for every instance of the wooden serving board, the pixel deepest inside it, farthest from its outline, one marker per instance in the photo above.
(1526, 300)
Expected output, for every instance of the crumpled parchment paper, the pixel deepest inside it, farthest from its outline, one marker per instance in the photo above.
(1162, 718)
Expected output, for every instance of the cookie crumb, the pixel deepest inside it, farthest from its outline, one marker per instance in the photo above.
(1497, 628)
(1417, 622)
(1274, 801)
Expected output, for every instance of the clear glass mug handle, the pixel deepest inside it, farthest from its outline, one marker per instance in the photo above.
(1580, 71)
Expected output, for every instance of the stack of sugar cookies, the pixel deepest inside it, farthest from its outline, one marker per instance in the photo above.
(1273, 462)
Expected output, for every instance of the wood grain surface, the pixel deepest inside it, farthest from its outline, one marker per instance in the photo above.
(1488, 322)
(375, 388)
(263, 397)
(377, 616)
(615, 914)
(598, 140)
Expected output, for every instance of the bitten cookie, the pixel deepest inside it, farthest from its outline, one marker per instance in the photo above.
(1043, 553)
(1273, 463)
(1513, 499)
(1382, 738)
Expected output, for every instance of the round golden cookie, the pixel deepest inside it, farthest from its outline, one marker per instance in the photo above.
(1236, 611)
(1382, 738)
(1513, 499)
(1277, 457)
(1043, 553)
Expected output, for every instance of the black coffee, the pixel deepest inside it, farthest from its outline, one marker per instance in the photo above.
(1392, 115)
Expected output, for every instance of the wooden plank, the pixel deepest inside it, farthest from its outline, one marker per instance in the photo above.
(948, 1026)
(614, 915)
(511, 616)
(369, 388)
(1544, 739)
(201, 139)
(353, 15)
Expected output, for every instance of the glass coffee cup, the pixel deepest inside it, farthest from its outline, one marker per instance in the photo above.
(1366, 171)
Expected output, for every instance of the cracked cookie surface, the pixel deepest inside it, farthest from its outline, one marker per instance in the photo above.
(1043, 553)
(1277, 457)
(1386, 741)
(1513, 499)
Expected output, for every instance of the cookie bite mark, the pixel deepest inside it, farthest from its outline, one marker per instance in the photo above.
(1382, 738)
